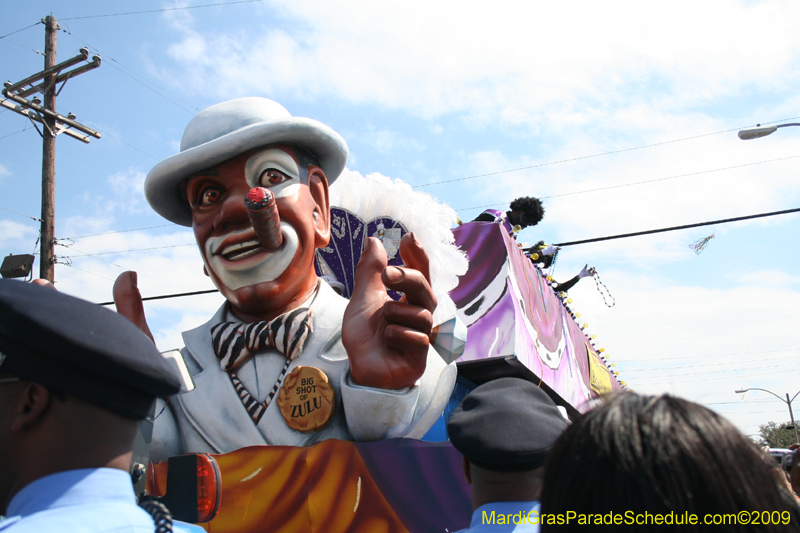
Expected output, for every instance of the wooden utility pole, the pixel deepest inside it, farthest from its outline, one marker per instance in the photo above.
(47, 264)
(52, 124)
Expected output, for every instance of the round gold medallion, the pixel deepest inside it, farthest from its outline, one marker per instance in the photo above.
(307, 399)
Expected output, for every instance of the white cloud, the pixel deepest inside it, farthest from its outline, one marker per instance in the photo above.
(127, 188)
(515, 62)
(693, 341)
(17, 237)
(386, 141)
(127, 182)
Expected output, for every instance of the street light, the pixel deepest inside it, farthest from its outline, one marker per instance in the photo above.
(759, 131)
(787, 401)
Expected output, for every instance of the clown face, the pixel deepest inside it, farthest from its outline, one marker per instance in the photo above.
(260, 284)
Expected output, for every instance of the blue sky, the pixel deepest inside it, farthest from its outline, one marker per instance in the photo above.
(430, 93)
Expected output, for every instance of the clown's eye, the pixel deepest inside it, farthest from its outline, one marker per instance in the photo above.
(272, 177)
(210, 195)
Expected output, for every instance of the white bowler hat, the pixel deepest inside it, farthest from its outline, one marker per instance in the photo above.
(226, 130)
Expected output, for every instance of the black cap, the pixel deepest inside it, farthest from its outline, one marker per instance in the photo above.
(506, 425)
(81, 349)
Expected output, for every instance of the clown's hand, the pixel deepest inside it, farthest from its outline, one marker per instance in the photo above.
(128, 300)
(387, 341)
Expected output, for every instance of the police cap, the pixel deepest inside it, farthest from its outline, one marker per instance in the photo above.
(506, 425)
(80, 349)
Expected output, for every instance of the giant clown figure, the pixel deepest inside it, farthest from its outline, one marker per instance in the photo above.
(286, 360)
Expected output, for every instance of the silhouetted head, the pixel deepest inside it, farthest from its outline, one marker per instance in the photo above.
(526, 211)
(660, 455)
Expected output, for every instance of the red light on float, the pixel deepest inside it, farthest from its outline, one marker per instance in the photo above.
(208, 488)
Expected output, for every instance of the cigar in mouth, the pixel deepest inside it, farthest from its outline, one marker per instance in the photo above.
(263, 211)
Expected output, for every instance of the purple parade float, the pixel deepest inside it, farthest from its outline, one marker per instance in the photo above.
(518, 326)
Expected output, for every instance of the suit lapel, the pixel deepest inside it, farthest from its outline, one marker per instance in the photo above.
(213, 411)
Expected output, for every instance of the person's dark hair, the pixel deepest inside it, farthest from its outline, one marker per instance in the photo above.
(531, 208)
(662, 454)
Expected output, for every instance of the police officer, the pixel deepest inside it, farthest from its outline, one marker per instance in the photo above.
(75, 380)
(504, 429)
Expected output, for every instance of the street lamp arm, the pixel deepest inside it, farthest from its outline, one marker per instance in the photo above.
(740, 391)
(762, 131)
(787, 401)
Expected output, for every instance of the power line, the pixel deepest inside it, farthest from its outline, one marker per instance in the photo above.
(26, 47)
(793, 356)
(684, 374)
(120, 231)
(739, 402)
(162, 10)
(563, 244)
(21, 214)
(123, 142)
(137, 250)
(23, 29)
(593, 155)
(190, 111)
(750, 412)
(166, 296)
(642, 182)
(712, 379)
(150, 298)
(116, 265)
(675, 228)
(665, 356)
(16, 132)
(92, 273)
(193, 108)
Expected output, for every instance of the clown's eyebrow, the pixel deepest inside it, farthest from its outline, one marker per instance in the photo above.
(207, 172)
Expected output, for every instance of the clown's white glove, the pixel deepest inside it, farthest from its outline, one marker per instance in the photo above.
(586, 271)
(550, 250)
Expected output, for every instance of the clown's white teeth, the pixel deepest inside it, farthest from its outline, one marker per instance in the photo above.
(234, 247)
(241, 250)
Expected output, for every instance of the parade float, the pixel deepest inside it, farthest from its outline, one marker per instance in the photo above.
(516, 326)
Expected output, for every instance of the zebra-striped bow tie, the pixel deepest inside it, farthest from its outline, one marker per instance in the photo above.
(234, 343)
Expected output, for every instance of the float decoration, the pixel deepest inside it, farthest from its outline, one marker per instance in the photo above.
(393, 486)
(518, 326)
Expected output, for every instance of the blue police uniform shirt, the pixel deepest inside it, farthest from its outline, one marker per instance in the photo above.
(85, 500)
(505, 517)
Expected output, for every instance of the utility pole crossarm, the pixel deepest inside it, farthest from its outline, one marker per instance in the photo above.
(68, 122)
(96, 60)
(30, 80)
(17, 92)
(61, 128)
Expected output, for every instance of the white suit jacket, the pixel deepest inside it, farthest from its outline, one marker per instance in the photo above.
(212, 419)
